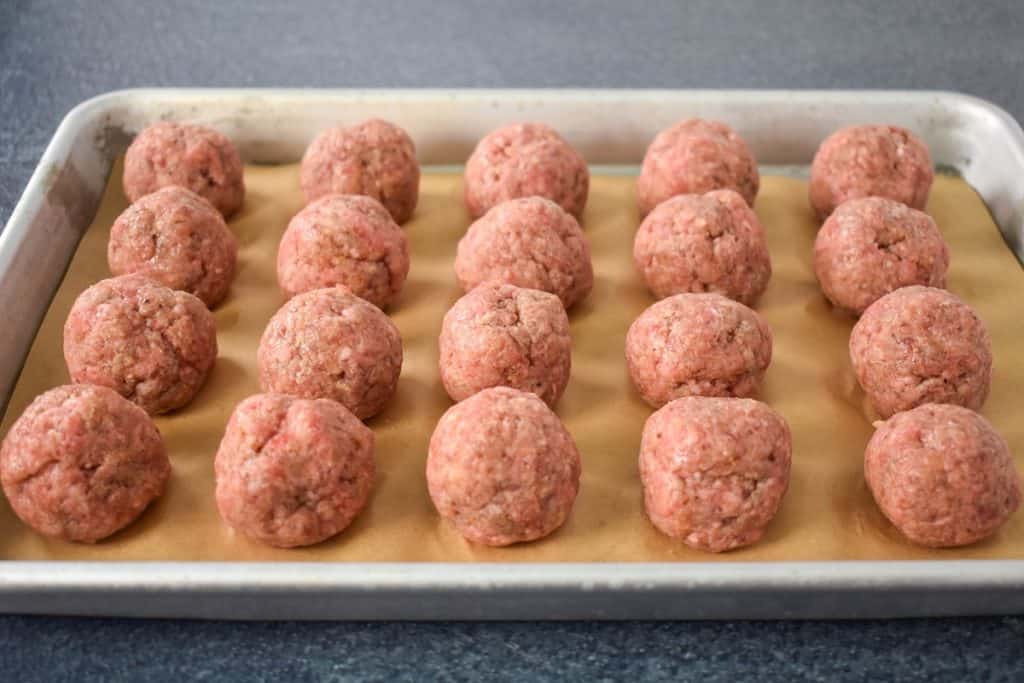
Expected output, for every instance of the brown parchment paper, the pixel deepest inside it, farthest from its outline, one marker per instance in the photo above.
(828, 513)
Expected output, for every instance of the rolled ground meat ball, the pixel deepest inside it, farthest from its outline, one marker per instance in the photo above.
(82, 463)
(870, 161)
(942, 475)
(177, 238)
(697, 345)
(869, 247)
(525, 160)
(529, 243)
(195, 157)
(714, 470)
(502, 468)
(151, 344)
(693, 157)
(292, 471)
(502, 335)
(703, 243)
(329, 343)
(921, 345)
(373, 158)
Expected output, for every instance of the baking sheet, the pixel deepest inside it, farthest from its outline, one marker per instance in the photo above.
(827, 515)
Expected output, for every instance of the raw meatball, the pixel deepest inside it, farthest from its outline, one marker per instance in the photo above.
(194, 157)
(177, 238)
(703, 243)
(329, 343)
(525, 160)
(82, 462)
(153, 345)
(714, 470)
(942, 475)
(870, 161)
(921, 345)
(373, 158)
(348, 240)
(697, 345)
(529, 242)
(502, 335)
(502, 468)
(869, 247)
(293, 471)
(693, 157)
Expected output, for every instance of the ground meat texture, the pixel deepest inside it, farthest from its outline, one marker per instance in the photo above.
(348, 240)
(291, 471)
(502, 335)
(703, 243)
(177, 238)
(373, 158)
(82, 463)
(151, 344)
(869, 247)
(697, 345)
(921, 345)
(194, 157)
(870, 161)
(525, 160)
(502, 468)
(329, 343)
(714, 470)
(694, 157)
(530, 243)
(942, 475)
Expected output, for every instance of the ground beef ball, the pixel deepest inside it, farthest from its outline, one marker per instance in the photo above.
(703, 243)
(530, 243)
(151, 344)
(870, 161)
(869, 247)
(942, 475)
(344, 239)
(293, 471)
(693, 157)
(373, 158)
(502, 468)
(82, 463)
(195, 157)
(525, 160)
(329, 343)
(921, 345)
(714, 470)
(697, 345)
(177, 238)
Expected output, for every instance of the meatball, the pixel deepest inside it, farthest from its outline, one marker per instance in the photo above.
(714, 470)
(502, 468)
(348, 240)
(529, 242)
(503, 335)
(525, 160)
(942, 475)
(694, 157)
(703, 243)
(921, 345)
(151, 344)
(82, 463)
(293, 471)
(870, 161)
(871, 246)
(329, 343)
(195, 157)
(373, 158)
(697, 345)
(177, 238)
